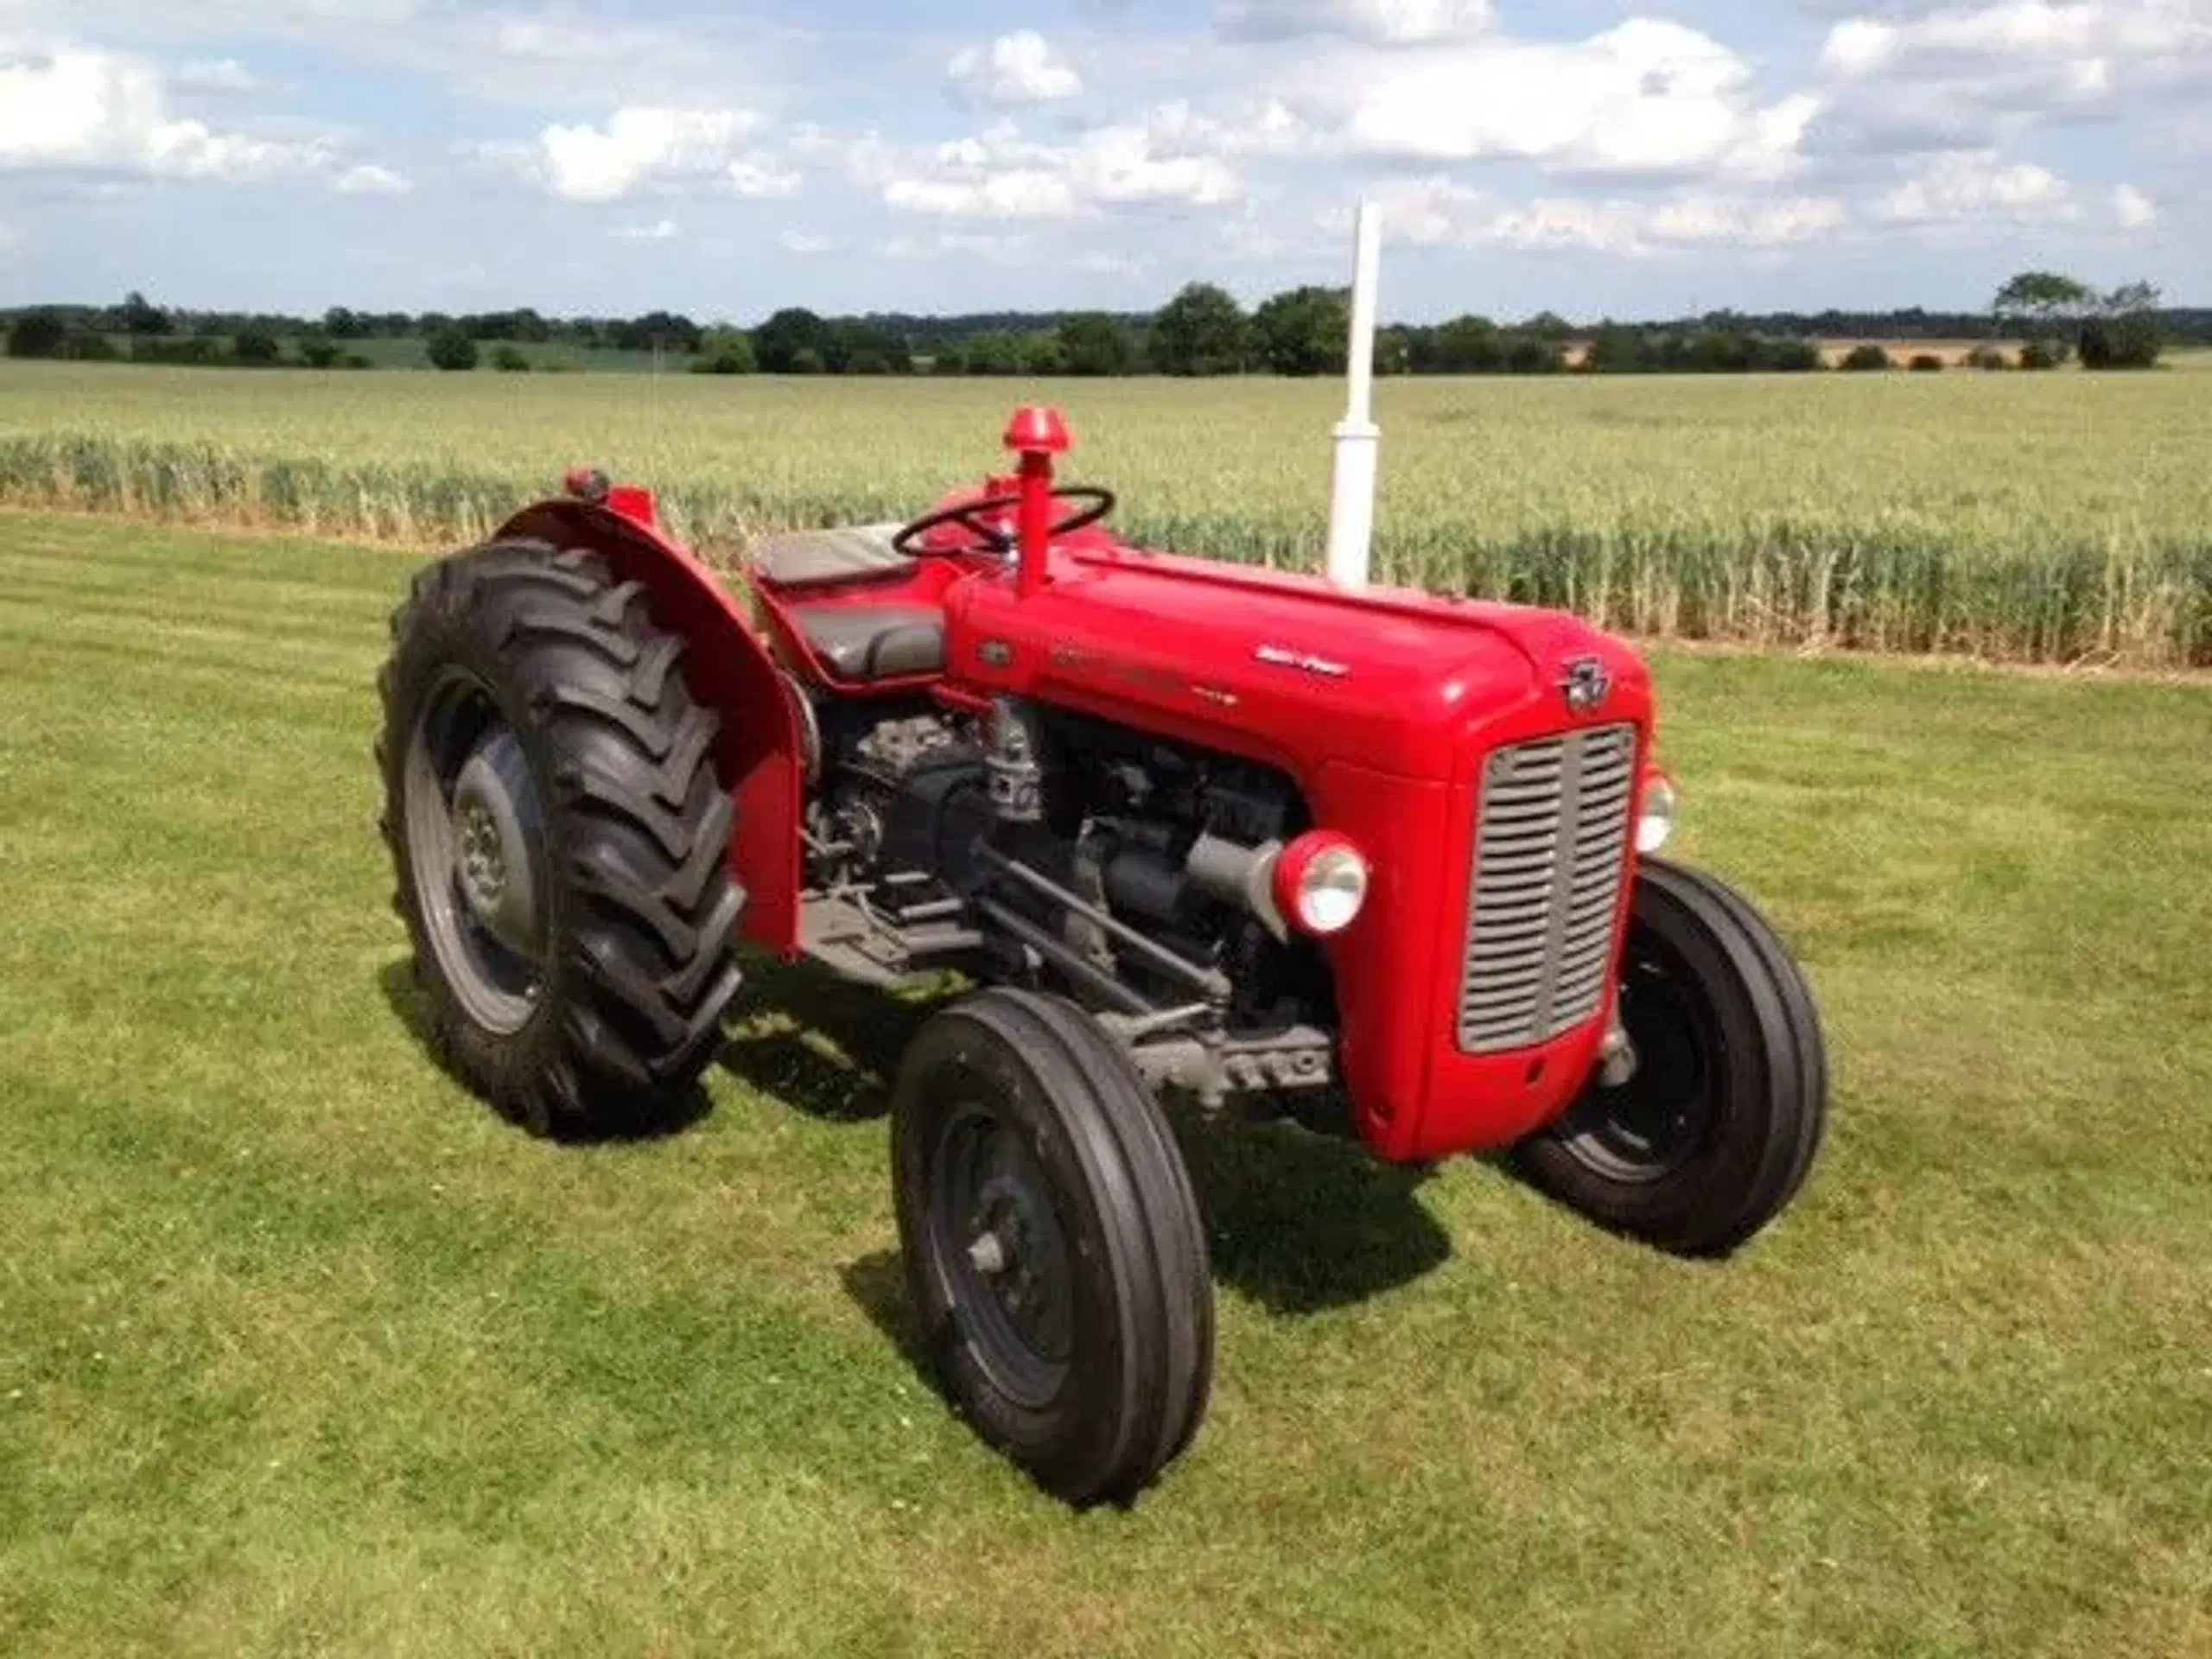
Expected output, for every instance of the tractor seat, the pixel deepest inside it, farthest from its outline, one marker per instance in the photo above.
(805, 557)
(875, 642)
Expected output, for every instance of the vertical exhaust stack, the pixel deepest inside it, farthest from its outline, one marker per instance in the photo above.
(1351, 499)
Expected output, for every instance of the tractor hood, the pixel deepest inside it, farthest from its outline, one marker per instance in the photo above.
(1282, 667)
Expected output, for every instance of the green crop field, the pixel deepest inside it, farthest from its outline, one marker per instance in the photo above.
(2058, 518)
(302, 1351)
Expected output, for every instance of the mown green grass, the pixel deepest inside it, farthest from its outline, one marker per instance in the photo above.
(2060, 518)
(300, 1351)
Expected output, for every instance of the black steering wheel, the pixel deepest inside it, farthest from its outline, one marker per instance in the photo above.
(968, 516)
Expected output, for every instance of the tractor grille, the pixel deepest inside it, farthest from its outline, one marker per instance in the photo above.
(1550, 854)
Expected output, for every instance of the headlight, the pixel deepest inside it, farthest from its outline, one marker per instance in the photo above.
(1657, 822)
(1320, 883)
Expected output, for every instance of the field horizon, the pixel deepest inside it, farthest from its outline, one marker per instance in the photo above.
(2058, 518)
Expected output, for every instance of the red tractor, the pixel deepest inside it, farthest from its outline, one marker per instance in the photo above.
(1372, 857)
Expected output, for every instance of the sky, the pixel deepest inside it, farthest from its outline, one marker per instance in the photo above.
(616, 156)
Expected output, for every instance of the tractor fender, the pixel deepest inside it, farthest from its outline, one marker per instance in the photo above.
(760, 751)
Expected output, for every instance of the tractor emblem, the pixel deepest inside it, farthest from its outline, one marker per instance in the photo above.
(1586, 685)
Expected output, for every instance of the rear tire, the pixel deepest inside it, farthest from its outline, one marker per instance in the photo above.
(1054, 1252)
(560, 836)
(1718, 1129)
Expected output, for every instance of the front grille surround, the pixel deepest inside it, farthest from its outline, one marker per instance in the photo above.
(1549, 857)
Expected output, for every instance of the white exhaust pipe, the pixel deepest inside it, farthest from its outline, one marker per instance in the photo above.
(1351, 497)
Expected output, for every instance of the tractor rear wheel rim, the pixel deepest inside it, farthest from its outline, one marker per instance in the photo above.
(474, 843)
(1654, 1123)
(999, 1242)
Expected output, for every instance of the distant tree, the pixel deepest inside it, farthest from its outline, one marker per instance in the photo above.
(508, 360)
(1304, 331)
(139, 316)
(1093, 343)
(1987, 359)
(1792, 357)
(656, 330)
(1864, 356)
(452, 350)
(340, 324)
(37, 333)
(1463, 346)
(318, 350)
(866, 347)
(1534, 354)
(995, 355)
(257, 348)
(1393, 350)
(2045, 308)
(778, 343)
(1039, 354)
(2127, 335)
(2049, 354)
(1201, 331)
(726, 352)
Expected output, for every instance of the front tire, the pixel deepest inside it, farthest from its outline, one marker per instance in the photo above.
(1054, 1252)
(1716, 1131)
(560, 836)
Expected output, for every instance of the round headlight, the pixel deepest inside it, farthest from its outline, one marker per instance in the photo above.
(1657, 823)
(1321, 883)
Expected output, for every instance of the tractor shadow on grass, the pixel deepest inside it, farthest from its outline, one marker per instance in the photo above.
(1302, 1222)
(818, 1043)
(411, 1007)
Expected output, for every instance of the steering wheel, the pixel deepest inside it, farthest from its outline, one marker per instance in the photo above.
(968, 516)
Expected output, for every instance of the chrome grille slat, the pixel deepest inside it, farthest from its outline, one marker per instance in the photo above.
(1550, 854)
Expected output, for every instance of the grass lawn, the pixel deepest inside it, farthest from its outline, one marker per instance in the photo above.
(302, 1352)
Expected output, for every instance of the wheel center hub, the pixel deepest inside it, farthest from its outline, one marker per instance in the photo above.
(495, 820)
(483, 860)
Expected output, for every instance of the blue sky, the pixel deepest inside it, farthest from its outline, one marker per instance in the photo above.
(618, 155)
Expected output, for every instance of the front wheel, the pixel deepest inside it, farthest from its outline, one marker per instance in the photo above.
(1714, 1132)
(1054, 1252)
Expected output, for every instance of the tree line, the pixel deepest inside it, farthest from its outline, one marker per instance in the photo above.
(1202, 330)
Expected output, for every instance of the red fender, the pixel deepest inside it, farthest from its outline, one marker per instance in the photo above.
(729, 670)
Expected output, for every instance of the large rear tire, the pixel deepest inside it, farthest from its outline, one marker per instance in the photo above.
(1715, 1133)
(560, 836)
(1055, 1256)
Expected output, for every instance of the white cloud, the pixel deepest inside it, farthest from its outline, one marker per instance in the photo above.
(658, 230)
(370, 179)
(1967, 76)
(650, 147)
(1440, 211)
(998, 174)
(1014, 69)
(1646, 97)
(2133, 210)
(1021, 193)
(1393, 22)
(806, 244)
(2098, 35)
(1979, 186)
(751, 176)
(82, 108)
(220, 77)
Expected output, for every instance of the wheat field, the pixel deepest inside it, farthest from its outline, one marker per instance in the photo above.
(2025, 518)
